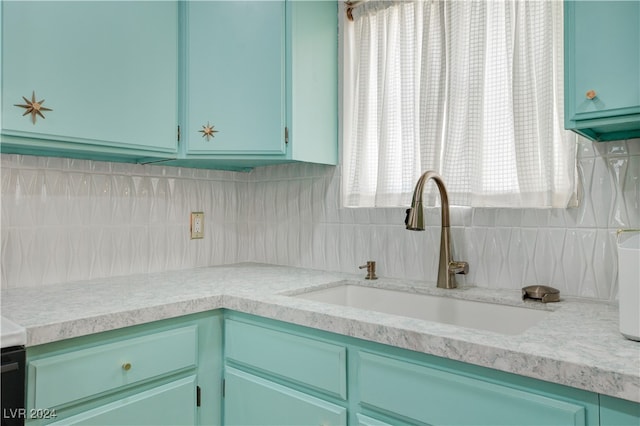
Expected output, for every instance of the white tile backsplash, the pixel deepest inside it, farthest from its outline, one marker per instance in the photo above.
(65, 219)
(573, 249)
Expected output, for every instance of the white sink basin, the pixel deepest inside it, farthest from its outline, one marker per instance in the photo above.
(464, 313)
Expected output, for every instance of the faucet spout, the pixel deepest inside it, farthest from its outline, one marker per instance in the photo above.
(447, 267)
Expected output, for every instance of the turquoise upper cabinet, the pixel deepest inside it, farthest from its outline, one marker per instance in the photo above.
(259, 84)
(235, 77)
(214, 84)
(108, 72)
(312, 80)
(602, 69)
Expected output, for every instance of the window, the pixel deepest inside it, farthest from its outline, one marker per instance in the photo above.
(470, 89)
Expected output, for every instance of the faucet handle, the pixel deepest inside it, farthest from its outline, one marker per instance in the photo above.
(458, 267)
(371, 270)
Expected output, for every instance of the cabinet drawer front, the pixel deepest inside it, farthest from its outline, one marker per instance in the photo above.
(251, 400)
(437, 397)
(170, 404)
(311, 362)
(79, 374)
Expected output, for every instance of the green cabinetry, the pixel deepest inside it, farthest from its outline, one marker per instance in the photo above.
(213, 84)
(260, 83)
(253, 400)
(107, 70)
(277, 378)
(602, 69)
(421, 391)
(235, 83)
(169, 404)
(175, 372)
(279, 373)
(163, 373)
(618, 412)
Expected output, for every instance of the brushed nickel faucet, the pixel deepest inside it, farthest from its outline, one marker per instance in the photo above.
(447, 267)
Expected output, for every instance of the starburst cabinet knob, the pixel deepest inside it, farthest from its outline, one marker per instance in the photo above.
(208, 131)
(33, 107)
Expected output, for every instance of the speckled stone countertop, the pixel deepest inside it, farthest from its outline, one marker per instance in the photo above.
(577, 344)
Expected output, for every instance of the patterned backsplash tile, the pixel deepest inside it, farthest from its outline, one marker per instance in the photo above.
(66, 219)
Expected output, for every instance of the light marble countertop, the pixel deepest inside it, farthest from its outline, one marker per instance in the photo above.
(578, 344)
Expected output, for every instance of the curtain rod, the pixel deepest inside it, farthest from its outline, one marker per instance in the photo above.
(350, 5)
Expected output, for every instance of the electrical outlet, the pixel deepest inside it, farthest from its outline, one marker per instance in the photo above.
(197, 225)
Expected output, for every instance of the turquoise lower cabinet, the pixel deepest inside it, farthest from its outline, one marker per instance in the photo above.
(177, 372)
(112, 365)
(170, 404)
(618, 412)
(418, 393)
(310, 362)
(363, 420)
(280, 373)
(275, 377)
(161, 373)
(252, 400)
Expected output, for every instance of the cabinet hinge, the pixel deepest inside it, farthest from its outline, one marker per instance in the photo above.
(224, 385)
(178, 134)
(198, 395)
(286, 135)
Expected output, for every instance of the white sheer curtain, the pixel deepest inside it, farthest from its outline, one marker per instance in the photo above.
(471, 89)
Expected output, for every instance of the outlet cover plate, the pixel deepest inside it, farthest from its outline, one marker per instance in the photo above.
(197, 225)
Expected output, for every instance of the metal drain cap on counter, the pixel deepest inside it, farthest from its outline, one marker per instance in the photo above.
(542, 293)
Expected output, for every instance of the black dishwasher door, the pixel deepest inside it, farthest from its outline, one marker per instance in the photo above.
(13, 369)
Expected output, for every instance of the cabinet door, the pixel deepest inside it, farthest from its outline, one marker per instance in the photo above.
(234, 83)
(107, 70)
(170, 404)
(312, 107)
(251, 400)
(145, 374)
(432, 396)
(602, 65)
(618, 412)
